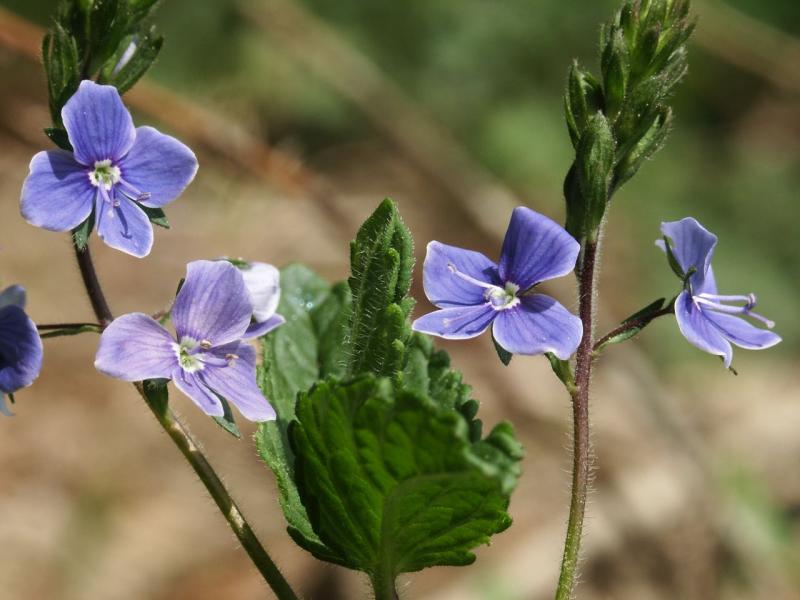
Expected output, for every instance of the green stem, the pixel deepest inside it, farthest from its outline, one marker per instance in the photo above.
(191, 451)
(219, 493)
(383, 586)
(581, 457)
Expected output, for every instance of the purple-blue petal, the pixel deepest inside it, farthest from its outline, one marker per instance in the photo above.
(191, 385)
(536, 325)
(535, 249)
(256, 329)
(135, 347)
(237, 384)
(98, 124)
(739, 331)
(263, 282)
(124, 226)
(456, 323)
(699, 331)
(444, 287)
(57, 194)
(13, 294)
(692, 245)
(20, 350)
(213, 303)
(158, 165)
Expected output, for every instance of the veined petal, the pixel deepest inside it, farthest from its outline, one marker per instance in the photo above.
(535, 249)
(692, 245)
(256, 330)
(191, 385)
(98, 124)
(447, 272)
(13, 294)
(124, 226)
(237, 384)
(57, 194)
(699, 331)
(158, 165)
(20, 350)
(135, 347)
(536, 325)
(742, 333)
(456, 323)
(263, 282)
(213, 303)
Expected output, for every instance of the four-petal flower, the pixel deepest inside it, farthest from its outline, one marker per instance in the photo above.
(210, 357)
(473, 292)
(114, 170)
(706, 319)
(20, 345)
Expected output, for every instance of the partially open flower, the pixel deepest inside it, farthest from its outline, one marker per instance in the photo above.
(20, 345)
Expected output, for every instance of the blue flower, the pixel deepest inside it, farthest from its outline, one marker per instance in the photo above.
(20, 345)
(116, 171)
(706, 319)
(473, 292)
(209, 358)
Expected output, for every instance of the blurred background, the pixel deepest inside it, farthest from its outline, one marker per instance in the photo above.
(304, 114)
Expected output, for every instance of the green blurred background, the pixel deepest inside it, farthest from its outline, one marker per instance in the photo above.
(306, 113)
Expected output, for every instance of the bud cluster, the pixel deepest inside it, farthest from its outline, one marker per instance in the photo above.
(622, 119)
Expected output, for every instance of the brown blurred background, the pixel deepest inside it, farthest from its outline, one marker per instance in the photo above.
(304, 114)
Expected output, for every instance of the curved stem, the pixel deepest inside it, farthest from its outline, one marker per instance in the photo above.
(191, 451)
(581, 461)
(219, 493)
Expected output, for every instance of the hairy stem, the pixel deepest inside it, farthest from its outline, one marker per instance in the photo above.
(383, 586)
(92, 285)
(191, 451)
(581, 461)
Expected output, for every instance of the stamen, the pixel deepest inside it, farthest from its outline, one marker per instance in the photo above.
(452, 268)
(715, 303)
(132, 192)
(205, 344)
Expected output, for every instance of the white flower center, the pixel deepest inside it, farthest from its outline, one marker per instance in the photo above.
(503, 298)
(188, 359)
(105, 174)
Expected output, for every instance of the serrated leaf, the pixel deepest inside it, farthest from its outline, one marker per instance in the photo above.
(310, 345)
(391, 481)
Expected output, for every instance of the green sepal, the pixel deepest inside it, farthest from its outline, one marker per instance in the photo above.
(583, 98)
(615, 70)
(80, 235)
(59, 137)
(673, 262)
(563, 370)
(392, 482)
(157, 394)
(504, 355)
(156, 215)
(226, 420)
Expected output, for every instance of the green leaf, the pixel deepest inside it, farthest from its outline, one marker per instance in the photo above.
(59, 137)
(309, 346)
(381, 260)
(647, 312)
(392, 482)
(147, 45)
(156, 215)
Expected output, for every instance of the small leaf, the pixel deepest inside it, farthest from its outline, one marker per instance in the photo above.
(646, 312)
(226, 420)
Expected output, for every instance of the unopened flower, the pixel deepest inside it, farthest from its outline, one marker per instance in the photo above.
(114, 170)
(473, 292)
(209, 358)
(263, 283)
(20, 345)
(706, 319)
